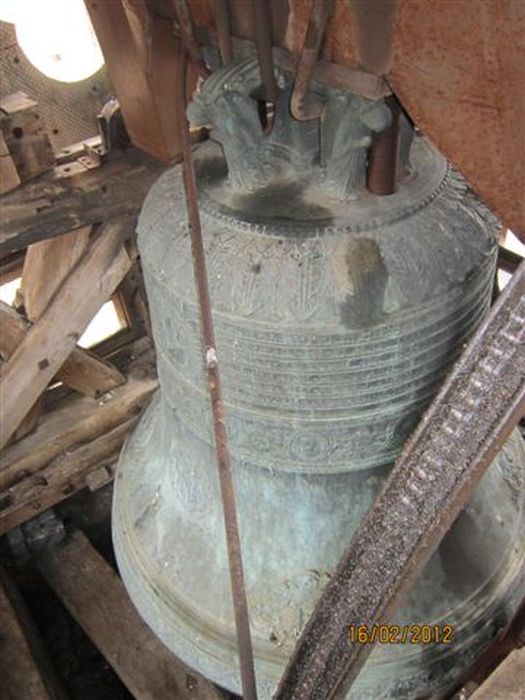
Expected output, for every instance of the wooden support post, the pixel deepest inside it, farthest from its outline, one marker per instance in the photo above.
(142, 58)
(82, 371)
(25, 671)
(49, 342)
(20, 676)
(143, 663)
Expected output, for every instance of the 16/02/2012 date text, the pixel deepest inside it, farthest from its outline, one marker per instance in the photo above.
(400, 634)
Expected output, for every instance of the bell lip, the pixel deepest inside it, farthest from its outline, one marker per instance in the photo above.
(191, 637)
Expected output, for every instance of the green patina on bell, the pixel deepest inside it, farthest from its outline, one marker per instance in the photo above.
(337, 315)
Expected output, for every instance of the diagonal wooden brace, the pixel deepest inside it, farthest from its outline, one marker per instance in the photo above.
(55, 334)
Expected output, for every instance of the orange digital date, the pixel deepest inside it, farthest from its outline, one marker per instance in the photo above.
(400, 634)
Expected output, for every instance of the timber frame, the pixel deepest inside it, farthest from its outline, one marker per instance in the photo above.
(67, 411)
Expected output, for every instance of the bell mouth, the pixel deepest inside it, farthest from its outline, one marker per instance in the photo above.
(295, 204)
(206, 642)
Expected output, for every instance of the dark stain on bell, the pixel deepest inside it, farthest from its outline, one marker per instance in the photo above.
(210, 170)
(367, 280)
(280, 201)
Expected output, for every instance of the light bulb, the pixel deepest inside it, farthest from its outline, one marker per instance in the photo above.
(57, 37)
(9, 9)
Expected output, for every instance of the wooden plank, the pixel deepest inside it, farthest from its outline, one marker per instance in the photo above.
(52, 338)
(82, 371)
(19, 673)
(451, 68)
(507, 682)
(72, 196)
(25, 137)
(61, 478)
(29, 423)
(89, 374)
(132, 293)
(95, 596)
(46, 265)
(9, 179)
(33, 642)
(75, 422)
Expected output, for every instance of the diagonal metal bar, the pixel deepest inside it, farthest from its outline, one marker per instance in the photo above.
(233, 543)
(437, 472)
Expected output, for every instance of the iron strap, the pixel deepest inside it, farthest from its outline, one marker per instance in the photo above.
(437, 472)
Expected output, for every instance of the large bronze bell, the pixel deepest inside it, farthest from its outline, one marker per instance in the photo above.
(337, 313)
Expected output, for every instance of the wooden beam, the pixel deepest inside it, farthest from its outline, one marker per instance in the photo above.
(95, 596)
(142, 58)
(20, 674)
(72, 196)
(46, 265)
(76, 421)
(507, 682)
(62, 477)
(18, 670)
(29, 423)
(53, 337)
(9, 179)
(25, 136)
(82, 371)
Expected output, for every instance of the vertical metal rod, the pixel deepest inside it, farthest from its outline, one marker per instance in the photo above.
(240, 603)
(383, 155)
(222, 18)
(262, 29)
(187, 35)
(299, 107)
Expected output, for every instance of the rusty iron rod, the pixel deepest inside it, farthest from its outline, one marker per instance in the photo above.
(233, 542)
(262, 29)
(383, 155)
(361, 83)
(436, 474)
(187, 36)
(222, 17)
(299, 107)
